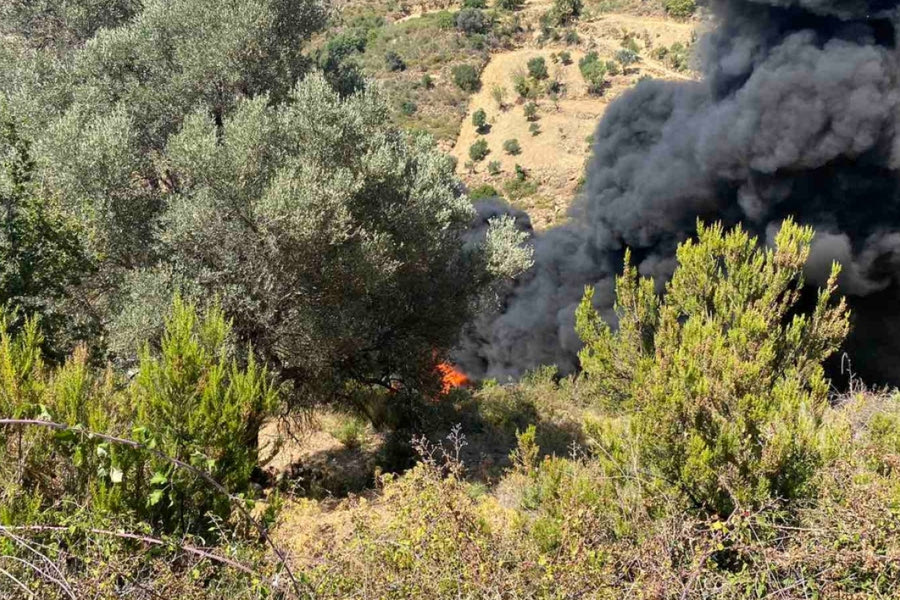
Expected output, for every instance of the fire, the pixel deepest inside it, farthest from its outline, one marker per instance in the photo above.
(451, 377)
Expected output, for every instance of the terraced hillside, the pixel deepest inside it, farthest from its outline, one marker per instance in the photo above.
(414, 50)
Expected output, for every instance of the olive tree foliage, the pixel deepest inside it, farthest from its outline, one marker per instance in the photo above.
(101, 110)
(339, 246)
(62, 24)
(724, 371)
(41, 256)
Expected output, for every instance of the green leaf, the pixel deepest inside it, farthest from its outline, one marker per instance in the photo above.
(159, 478)
(154, 497)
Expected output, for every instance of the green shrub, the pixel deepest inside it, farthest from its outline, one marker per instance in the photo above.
(630, 44)
(531, 110)
(724, 373)
(483, 191)
(512, 147)
(471, 21)
(537, 68)
(524, 86)
(680, 8)
(479, 120)
(534, 128)
(626, 58)
(564, 11)
(479, 150)
(593, 71)
(190, 400)
(493, 167)
(521, 173)
(194, 401)
(565, 57)
(445, 19)
(427, 81)
(350, 432)
(509, 4)
(516, 189)
(408, 108)
(678, 56)
(571, 38)
(474, 3)
(393, 61)
(466, 77)
(498, 93)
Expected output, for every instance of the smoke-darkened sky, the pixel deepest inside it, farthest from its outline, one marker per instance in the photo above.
(795, 114)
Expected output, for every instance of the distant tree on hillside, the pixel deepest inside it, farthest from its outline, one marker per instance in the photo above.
(593, 71)
(564, 11)
(479, 120)
(472, 20)
(537, 68)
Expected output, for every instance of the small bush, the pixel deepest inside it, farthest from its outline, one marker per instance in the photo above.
(474, 4)
(494, 167)
(593, 72)
(483, 191)
(531, 111)
(509, 4)
(537, 68)
(498, 93)
(678, 57)
(534, 128)
(629, 43)
(408, 108)
(725, 376)
(427, 81)
(445, 19)
(612, 68)
(479, 120)
(516, 189)
(524, 86)
(350, 432)
(680, 8)
(478, 150)
(466, 77)
(521, 173)
(393, 61)
(565, 57)
(472, 21)
(626, 58)
(512, 147)
(571, 38)
(565, 11)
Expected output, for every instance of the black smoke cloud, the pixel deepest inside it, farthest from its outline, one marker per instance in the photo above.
(796, 114)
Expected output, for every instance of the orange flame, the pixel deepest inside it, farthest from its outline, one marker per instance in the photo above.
(451, 377)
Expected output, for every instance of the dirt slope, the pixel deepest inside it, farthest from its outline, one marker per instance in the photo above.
(555, 157)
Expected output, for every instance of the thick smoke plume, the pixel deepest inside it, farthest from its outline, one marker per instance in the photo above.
(796, 114)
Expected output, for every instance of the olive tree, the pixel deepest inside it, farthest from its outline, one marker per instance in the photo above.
(338, 245)
(101, 109)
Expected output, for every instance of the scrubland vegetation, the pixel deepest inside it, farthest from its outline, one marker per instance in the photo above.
(216, 229)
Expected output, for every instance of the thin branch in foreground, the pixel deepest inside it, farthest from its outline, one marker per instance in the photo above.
(195, 550)
(238, 502)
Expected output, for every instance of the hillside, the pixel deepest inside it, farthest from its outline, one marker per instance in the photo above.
(430, 46)
(470, 300)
